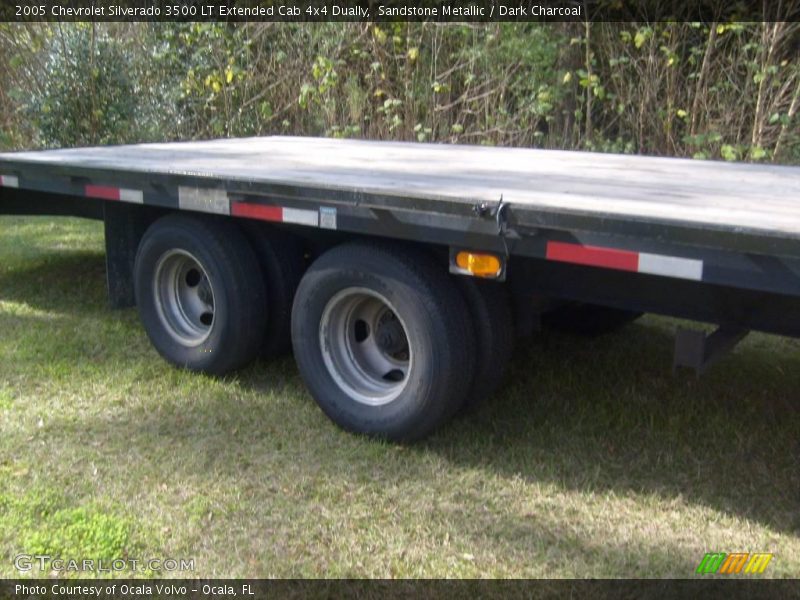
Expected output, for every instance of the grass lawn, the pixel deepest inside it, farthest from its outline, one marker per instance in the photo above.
(594, 461)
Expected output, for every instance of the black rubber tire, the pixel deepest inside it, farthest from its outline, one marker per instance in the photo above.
(282, 262)
(440, 337)
(239, 297)
(490, 312)
(588, 319)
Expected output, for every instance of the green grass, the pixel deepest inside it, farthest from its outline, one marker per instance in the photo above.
(594, 461)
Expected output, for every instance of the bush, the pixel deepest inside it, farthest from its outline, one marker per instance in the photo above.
(726, 91)
(86, 96)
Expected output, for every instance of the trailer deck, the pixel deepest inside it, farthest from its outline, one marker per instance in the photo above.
(707, 194)
(728, 224)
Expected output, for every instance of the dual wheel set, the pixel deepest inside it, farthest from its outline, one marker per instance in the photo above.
(386, 340)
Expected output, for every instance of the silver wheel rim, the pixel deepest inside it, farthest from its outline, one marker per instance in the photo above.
(365, 346)
(184, 297)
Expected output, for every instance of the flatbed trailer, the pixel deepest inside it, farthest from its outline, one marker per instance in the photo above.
(400, 272)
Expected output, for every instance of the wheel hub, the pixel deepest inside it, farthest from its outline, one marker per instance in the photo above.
(184, 297)
(390, 337)
(365, 346)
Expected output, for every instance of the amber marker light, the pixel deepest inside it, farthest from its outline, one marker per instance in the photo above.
(479, 265)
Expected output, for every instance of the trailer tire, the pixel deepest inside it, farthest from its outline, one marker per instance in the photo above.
(382, 339)
(588, 319)
(280, 256)
(490, 312)
(200, 293)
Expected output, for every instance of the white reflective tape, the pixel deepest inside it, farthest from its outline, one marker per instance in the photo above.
(671, 266)
(204, 199)
(300, 216)
(327, 217)
(9, 181)
(135, 196)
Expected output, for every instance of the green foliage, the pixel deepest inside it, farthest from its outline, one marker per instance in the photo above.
(42, 525)
(87, 94)
(80, 532)
(6, 398)
(206, 67)
(723, 91)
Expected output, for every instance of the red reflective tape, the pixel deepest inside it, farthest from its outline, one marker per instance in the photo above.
(103, 192)
(593, 256)
(257, 211)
